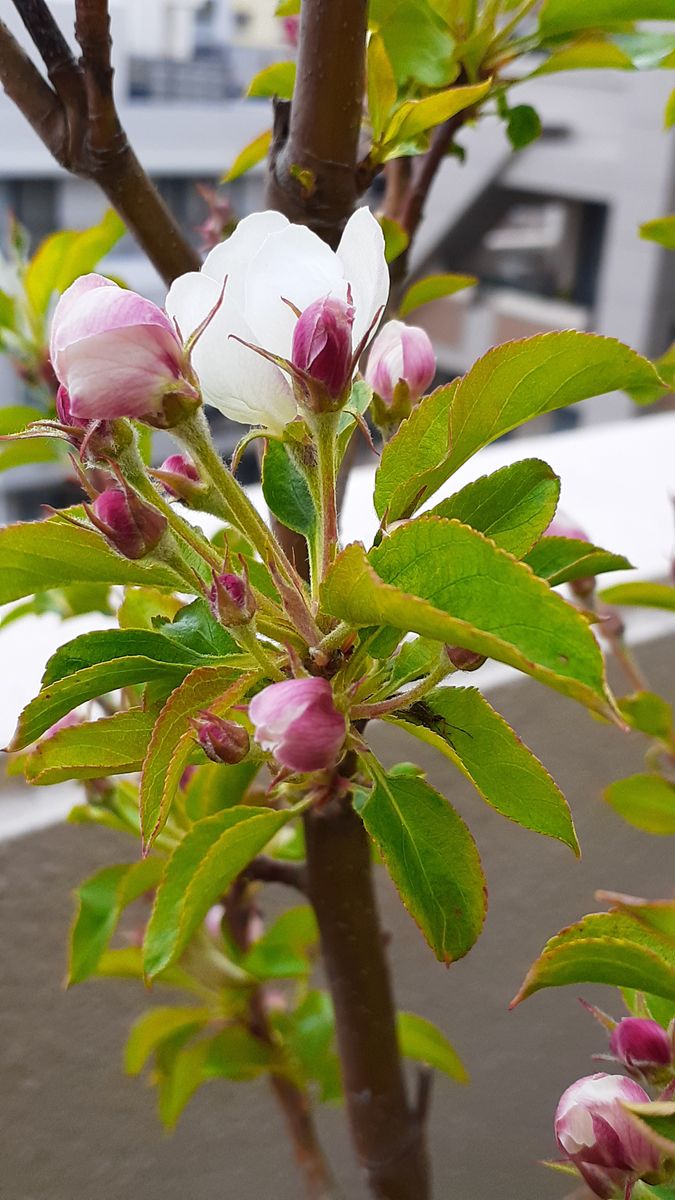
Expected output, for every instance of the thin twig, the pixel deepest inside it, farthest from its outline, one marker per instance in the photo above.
(273, 870)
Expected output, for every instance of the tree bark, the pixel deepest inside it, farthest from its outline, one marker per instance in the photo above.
(388, 1135)
(77, 120)
(312, 169)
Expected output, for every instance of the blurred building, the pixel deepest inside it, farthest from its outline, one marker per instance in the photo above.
(551, 231)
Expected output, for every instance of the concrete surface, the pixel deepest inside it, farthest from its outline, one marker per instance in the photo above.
(74, 1128)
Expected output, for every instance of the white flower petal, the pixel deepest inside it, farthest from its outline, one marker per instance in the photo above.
(361, 252)
(190, 300)
(232, 257)
(294, 265)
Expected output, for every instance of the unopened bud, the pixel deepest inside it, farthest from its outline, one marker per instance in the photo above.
(133, 527)
(297, 722)
(180, 477)
(641, 1045)
(595, 1132)
(463, 659)
(322, 344)
(147, 374)
(401, 354)
(231, 598)
(222, 741)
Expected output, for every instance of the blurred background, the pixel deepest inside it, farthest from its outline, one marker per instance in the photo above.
(551, 232)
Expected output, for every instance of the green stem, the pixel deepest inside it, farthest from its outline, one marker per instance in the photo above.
(134, 472)
(324, 544)
(245, 636)
(240, 512)
(404, 699)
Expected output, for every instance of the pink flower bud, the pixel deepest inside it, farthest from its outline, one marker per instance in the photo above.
(231, 598)
(222, 741)
(561, 527)
(463, 659)
(400, 354)
(117, 354)
(133, 527)
(291, 28)
(594, 1131)
(180, 477)
(641, 1045)
(213, 921)
(298, 723)
(322, 344)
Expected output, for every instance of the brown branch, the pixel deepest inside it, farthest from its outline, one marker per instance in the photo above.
(416, 195)
(388, 1135)
(321, 135)
(273, 870)
(78, 122)
(30, 93)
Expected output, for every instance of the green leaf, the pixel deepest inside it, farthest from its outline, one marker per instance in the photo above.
(199, 872)
(249, 157)
(101, 662)
(656, 915)
(308, 1034)
(462, 725)
(63, 697)
(605, 948)
(15, 417)
(359, 402)
(510, 385)
(655, 1121)
(286, 491)
(180, 1080)
(415, 117)
(283, 950)
(648, 50)
(173, 739)
(513, 506)
(237, 1054)
(642, 595)
(63, 256)
(382, 89)
(195, 628)
(449, 583)
(276, 80)
(106, 645)
(433, 287)
(523, 126)
(101, 900)
(432, 859)
(46, 554)
(417, 42)
(586, 55)
(560, 16)
(216, 786)
(648, 713)
(661, 230)
(128, 964)
(396, 238)
(641, 1004)
(141, 605)
(154, 1027)
(560, 559)
(420, 1040)
(414, 659)
(645, 801)
(111, 746)
(669, 115)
